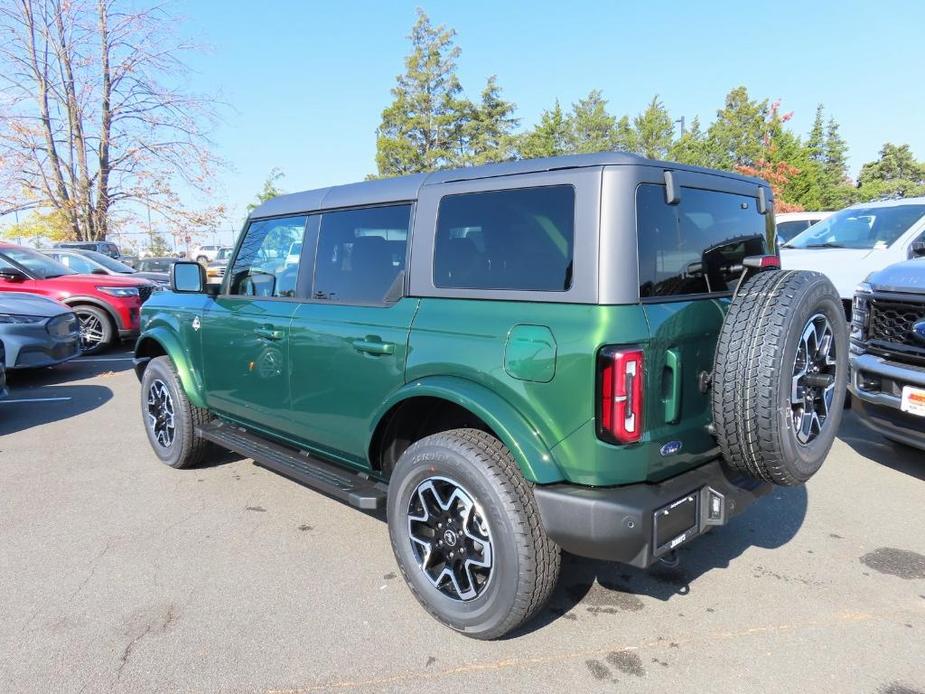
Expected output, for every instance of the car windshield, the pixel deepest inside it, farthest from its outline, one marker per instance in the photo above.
(860, 227)
(224, 254)
(38, 264)
(108, 263)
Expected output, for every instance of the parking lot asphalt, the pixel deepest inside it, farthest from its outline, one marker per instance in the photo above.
(120, 574)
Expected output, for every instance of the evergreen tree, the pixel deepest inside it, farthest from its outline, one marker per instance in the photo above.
(550, 137)
(269, 190)
(691, 147)
(837, 191)
(423, 128)
(626, 137)
(895, 173)
(815, 143)
(738, 135)
(593, 129)
(489, 131)
(654, 130)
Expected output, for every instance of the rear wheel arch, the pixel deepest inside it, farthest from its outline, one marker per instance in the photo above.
(429, 406)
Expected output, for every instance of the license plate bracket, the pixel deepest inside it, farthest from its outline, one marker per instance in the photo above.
(676, 523)
(913, 400)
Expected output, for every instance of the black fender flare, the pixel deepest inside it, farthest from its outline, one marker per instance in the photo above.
(73, 301)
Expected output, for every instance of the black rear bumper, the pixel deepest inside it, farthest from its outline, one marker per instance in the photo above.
(617, 523)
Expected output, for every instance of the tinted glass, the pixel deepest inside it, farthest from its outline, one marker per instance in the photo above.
(787, 230)
(109, 263)
(510, 239)
(697, 246)
(155, 264)
(263, 266)
(361, 253)
(861, 227)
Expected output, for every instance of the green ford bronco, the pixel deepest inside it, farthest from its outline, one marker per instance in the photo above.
(597, 354)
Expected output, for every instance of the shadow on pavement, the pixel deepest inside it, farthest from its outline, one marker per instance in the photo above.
(17, 413)
(74, 370)
(871, 445)
(611, 588)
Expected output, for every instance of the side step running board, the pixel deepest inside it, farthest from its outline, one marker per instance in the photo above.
(353, 488)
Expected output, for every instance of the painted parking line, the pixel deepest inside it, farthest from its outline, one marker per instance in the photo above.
(13, 400)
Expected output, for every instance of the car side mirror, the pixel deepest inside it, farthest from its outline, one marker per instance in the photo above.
(11, 274)
(187, 277)
(917, 249)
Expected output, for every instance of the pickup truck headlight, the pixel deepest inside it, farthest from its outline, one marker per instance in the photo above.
(119, 291)
(860, 313)
(20, 318)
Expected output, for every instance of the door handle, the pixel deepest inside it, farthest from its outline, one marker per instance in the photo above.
(672, 397)
(268, 333)
(371, 346)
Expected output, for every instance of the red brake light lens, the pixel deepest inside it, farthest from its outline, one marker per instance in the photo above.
(620, 394)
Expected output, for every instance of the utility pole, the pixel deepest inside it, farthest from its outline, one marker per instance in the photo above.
(681, 121)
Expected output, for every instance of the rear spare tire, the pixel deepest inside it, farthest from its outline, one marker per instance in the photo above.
(780, 376)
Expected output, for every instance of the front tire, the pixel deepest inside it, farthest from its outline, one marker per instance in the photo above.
(467, 534)
(96, 329)
(169, 418)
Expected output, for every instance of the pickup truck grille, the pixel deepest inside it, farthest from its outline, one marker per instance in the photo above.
(144, 292)
(890, 330)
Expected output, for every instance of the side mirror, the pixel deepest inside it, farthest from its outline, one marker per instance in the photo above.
(11, 274)
(917, 249)
(187, 277)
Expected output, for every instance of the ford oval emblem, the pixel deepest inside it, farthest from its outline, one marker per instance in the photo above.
(918, 330)
(670, 448)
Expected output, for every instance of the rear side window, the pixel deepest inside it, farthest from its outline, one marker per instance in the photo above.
(361, 254)
(696, 246)
(520, 239)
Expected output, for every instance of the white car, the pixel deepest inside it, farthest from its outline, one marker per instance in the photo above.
(859, 240)
(205, 254)
(789, 224)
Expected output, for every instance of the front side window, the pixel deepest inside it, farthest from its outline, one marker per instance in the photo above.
(263, 267)
(696, 246)
(519, 239)
(361, 254)
(861, 227)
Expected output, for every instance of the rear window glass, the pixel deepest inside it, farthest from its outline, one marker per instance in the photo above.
(696, 246)
(518, 239)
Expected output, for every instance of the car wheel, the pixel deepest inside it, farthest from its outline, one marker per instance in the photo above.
(96, 329)
(202, 260)
(780, 376)
(170, 419)
(467, 534)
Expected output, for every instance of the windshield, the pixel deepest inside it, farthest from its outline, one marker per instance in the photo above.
(109, 263)
(224, 254)
(37, 264)
(860, 227)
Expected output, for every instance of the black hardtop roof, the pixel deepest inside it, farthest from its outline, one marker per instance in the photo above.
(404, 188)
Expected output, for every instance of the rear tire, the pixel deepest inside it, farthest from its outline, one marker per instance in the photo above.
(780, 376)
(170, 420)
(468, 474)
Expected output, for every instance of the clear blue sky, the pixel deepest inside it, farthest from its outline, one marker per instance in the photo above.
(306, 81)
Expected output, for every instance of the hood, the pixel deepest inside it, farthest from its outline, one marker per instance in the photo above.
(30, 305)
(156, 277)
(907, 277)
(846, 267)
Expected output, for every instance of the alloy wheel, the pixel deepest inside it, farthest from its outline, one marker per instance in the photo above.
(92, 332)
(814, 374)
(161, 414)
(450, 538)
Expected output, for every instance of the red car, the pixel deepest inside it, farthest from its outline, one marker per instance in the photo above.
(108, 306)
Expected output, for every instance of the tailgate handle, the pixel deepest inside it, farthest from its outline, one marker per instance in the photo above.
(671, 387)
(372, 345)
